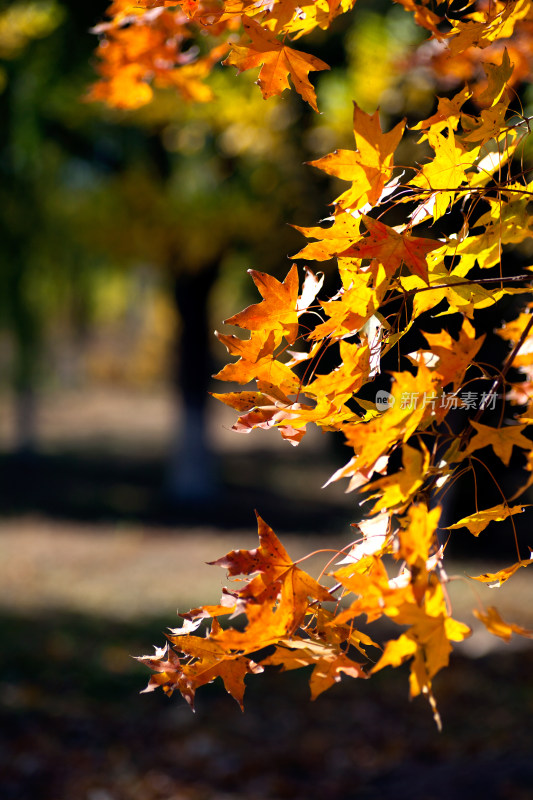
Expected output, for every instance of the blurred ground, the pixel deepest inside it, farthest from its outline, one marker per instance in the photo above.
(103, 456)
(90, 581)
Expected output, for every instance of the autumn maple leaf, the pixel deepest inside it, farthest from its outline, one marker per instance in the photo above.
(502, 440)
(455, 355)
(278, 310)
(256, 361)
(273, 565)
(328, 663)
(368, 168)
(497, 578)
(447, 170)
(204, 660)
(499, 627)
(478, 522)
(397, 489)
(275, 596)
(277, 62)
(392, 249)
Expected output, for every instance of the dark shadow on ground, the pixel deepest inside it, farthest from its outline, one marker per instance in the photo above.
(85, 486)
(73, 727)
(89, 487)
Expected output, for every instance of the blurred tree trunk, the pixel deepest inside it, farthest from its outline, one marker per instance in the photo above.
(191, 475)
(27, 339)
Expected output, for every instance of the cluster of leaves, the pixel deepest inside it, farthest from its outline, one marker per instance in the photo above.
(449, 221)
(166, 43)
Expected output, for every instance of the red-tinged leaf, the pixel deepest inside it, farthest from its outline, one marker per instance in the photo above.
(273, 563)
(392, 249)
(210, 662)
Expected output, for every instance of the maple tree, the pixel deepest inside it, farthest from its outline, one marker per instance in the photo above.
(413, 243)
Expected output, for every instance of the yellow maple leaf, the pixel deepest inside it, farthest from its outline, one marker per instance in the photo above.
(417, 535)
(343, 382)
(355, 304)
(497, 21)
(398, 489)
(502, 440)
(447, 171)
(498, 627)
(495, 579)
(427, 641)
(478, 522)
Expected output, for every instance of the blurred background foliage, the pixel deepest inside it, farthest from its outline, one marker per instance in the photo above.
(124, 240)
(125, 235)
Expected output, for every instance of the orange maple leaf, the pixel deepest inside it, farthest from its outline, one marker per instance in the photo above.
(392, 249)
(333, 240)
(277, 62)
(256, 361)
(328, 662)
(205, 659)
(277, 311)
(368, 168)
(273, 565)
(275, 596)
(455, 355)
